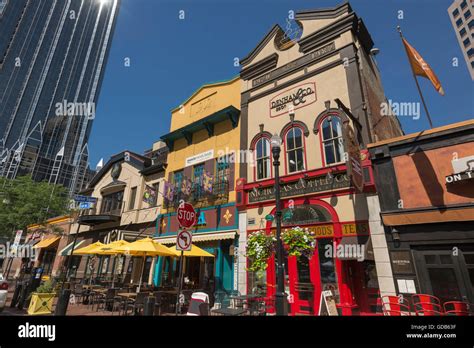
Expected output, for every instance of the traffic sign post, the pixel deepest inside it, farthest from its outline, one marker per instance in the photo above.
(187, 218)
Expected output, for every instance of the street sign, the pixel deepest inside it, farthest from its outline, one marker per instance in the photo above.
(184, 240)
(186, 215)
(79, 198)
(85, 205)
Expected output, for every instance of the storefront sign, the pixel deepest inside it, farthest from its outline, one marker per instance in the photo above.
(401, 262)
(355, 229)
(202, 157)
(464, 164)
(305, 60)
(460, 177)
(301, 187)
(293, 99)
(354, 163)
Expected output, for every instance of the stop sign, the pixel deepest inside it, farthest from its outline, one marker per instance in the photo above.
(187, 216)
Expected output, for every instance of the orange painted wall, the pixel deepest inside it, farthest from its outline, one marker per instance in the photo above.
(422, 175)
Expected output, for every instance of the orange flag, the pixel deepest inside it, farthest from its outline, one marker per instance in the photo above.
(421, 68)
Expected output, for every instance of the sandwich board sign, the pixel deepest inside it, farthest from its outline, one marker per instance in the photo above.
(327, 304)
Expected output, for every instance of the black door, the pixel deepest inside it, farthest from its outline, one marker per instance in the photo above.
(445, 274)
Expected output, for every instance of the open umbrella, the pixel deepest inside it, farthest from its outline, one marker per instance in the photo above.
(194, 252)
(111, 249)
(145, 247)
(89, 249)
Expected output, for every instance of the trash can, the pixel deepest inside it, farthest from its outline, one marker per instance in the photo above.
(3, 299)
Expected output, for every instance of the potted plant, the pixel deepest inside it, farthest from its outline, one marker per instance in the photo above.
(42, 299)
(299, 242)
(260, 247)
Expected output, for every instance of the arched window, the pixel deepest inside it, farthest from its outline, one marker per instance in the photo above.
(332, 140)
(295, 150)
(263, 158)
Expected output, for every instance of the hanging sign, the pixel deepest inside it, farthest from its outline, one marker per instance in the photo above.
(354, 162)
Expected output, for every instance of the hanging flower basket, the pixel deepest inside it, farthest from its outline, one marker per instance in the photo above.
(299, 242)
(260, 248)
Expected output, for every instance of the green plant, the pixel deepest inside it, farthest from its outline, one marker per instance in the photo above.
(299, 242)
(45, 288)
(260, 247)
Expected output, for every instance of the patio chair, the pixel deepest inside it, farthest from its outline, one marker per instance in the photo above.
(138, 304)
(187, 298)
(79, 293)
(457, 308)
(158, 302)
(395, 306)
(109, 300)
(426, 305)
(199, 305)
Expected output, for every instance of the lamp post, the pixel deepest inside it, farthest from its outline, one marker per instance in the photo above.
(280, 296)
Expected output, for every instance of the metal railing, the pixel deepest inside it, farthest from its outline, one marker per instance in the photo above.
(200, 197)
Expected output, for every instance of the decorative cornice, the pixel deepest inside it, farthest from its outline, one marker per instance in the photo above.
(276, 28)
(324, 13)
(259, 67)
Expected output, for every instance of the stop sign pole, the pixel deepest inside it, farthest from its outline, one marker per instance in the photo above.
(187, 218)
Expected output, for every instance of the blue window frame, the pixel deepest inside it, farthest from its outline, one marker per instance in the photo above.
(178, 180)
(198, 172)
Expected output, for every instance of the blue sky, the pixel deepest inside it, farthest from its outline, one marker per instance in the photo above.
(170, 58)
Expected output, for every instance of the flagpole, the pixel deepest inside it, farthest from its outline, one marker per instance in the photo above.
(417, 85)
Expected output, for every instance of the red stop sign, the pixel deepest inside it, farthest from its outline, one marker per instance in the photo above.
(187, 216)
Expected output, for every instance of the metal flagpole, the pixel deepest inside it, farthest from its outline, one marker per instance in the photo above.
(417, 84)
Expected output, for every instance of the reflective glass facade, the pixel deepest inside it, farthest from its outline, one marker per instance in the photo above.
(52, 61)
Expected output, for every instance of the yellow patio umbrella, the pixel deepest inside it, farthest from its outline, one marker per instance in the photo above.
(194, 252)
(111, 249)
(89, 249)
(145, 247)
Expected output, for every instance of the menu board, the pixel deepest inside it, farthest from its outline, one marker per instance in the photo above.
(328, 304)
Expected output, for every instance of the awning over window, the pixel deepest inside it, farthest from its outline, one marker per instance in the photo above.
(67, 250)
(47, 243)
(200, 237)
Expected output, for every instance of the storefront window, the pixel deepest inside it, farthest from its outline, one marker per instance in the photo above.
(304, 214)
(263, 158)
(332, 140)
(257, 282)
(295, 150)
(327, 267)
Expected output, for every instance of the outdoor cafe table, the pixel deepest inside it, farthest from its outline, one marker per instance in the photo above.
(126, 296)
(229, 311)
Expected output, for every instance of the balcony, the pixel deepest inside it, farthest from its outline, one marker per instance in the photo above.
(103, 211)
(200, 198)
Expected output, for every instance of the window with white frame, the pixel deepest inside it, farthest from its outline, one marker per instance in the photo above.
(332, 140)
(262, 153)
(295, 150)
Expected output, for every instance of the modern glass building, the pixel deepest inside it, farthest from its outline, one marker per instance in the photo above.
(52, 61)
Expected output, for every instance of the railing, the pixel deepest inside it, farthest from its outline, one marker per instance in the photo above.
(199, 197)
(105, 207)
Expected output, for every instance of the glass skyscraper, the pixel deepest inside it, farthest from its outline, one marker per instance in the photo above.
(52, 61)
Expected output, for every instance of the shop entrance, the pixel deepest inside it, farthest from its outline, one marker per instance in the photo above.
(446, 274)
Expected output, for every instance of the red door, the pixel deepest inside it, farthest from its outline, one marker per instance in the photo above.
(304, 284)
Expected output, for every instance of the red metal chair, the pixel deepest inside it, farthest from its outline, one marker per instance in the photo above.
(395, 306)
(456, 308)
(426, 305)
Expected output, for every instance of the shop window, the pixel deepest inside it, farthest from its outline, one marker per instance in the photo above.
(327, 267)
(333, 145)
(304, 214)
(156, 188)
(295, 150)
(221, 184)
(263, 158)
(133, 197)
(198, 189)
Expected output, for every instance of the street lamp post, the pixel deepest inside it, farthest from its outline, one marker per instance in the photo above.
(280, 296)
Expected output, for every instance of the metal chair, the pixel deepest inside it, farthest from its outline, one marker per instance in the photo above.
(457, 308)
(109, 300)
(426, 305)
(79, 293)
(199, 304)
(138, 304)
(395, 306)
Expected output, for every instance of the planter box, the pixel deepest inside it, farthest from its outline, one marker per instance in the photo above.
(41, 303)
